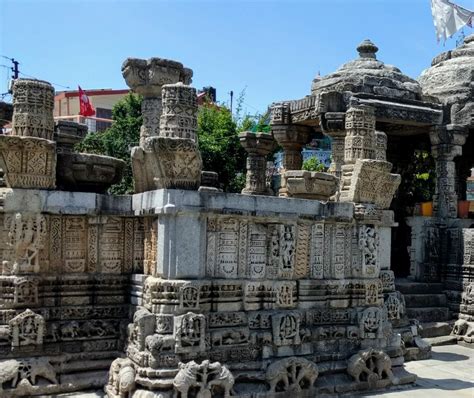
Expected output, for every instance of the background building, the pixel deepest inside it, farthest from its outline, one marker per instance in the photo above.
(66, 106)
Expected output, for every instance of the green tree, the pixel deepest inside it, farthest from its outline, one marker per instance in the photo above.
(118, 139)
(220, 146)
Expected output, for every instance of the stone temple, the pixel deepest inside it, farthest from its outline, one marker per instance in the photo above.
(181, 290)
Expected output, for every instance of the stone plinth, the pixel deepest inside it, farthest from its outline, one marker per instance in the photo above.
(33, 102)
(166, 162)
(28, 162)
(258, 146)
(275, 285)
(310, 185)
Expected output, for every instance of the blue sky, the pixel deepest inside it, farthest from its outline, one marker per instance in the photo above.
(270, 48)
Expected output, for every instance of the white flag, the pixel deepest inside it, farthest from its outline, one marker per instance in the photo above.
(448, 18)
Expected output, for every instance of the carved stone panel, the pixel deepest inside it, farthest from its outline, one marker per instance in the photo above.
(111, 241)
(27, 329)
(286, 328)
(74, 244)
(190, 333)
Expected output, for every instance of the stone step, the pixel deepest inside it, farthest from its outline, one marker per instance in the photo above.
(407, 287)
(425, 300)
(436, 329)
(432, 314)
(442, 340)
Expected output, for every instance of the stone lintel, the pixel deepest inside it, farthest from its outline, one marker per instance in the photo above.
(169, 201)
(64, 202)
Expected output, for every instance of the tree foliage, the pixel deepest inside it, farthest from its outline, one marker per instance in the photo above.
(220, 146)
(118, 139)
(217, 132)
(313, 164)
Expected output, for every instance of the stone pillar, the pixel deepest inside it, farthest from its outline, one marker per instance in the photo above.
(33, 103)
(147, 77)
(333, 125)
(258, 146)
(292, 138)
(168, 155)
(380, 145)
(446, 144)
(179, 114)
(33, 165)
(360, 134)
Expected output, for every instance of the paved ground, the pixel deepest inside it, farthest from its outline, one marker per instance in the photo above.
(449, 373)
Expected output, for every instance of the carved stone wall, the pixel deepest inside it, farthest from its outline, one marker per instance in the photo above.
(260, 291)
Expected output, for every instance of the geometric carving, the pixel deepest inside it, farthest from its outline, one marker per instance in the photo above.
(33, 102)
(28, 162)
(111, 245)
(74, 244)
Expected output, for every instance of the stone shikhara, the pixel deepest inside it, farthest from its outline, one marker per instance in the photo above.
(180, 292)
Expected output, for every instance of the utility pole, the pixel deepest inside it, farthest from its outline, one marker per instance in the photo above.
(231, 100)
(15, 69)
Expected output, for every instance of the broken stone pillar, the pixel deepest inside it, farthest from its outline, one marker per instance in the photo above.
(168, 155)
(291, 137)
(333, 125)
(28, 156)
(366, 179)
(147, 77)
(446, 144)
(258, 146)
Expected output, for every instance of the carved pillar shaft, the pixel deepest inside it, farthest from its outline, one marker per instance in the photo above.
(360, 134)
(255, 183)
(292, 158)
(333, 125)
(33, 102)
(446, 142)
(151, 112)
(258, 146)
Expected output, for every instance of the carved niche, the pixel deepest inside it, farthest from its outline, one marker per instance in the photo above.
(27, 329)
(371, 323)
(286, 328)
(190, 333)
(368, 244)
(26, 237)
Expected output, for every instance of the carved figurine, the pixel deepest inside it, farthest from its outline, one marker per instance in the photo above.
(205, 377)
(121, 378)
(291, 374)
(28, 369)
(370, 365)
(157, 343)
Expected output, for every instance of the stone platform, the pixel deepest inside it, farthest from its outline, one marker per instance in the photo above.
(449, 373)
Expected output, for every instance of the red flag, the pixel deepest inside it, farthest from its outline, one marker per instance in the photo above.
(86, 108)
